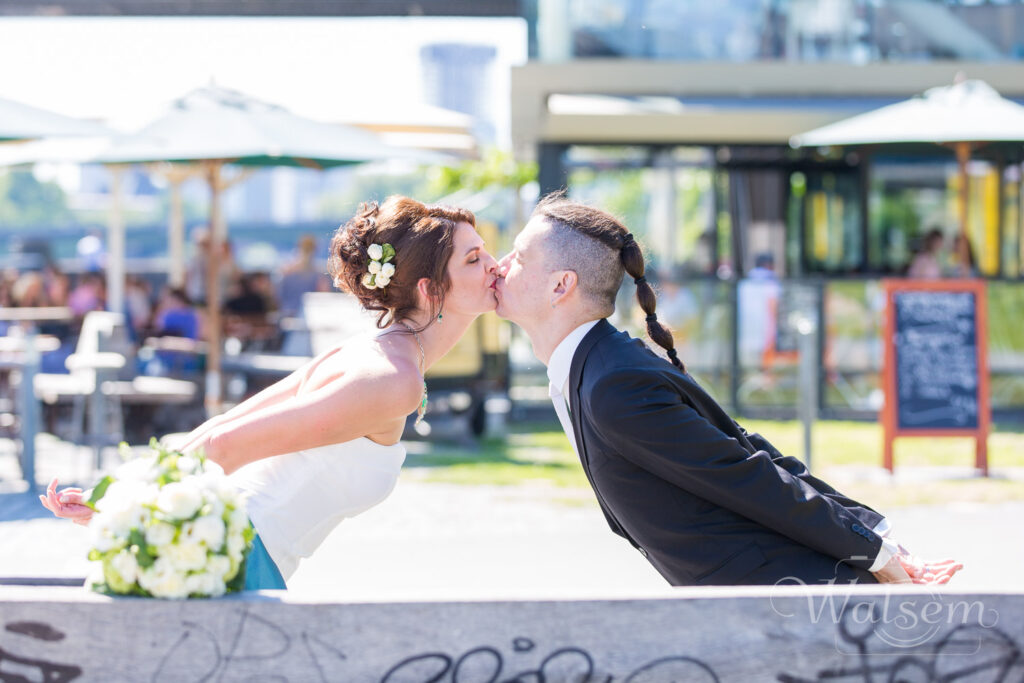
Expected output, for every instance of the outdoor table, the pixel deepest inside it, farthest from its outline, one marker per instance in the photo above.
(28, 364)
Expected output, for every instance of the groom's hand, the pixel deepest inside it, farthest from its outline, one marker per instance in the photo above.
(925, 571)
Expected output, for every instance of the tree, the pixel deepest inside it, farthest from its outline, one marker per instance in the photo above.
(24, 200)
(496, 169)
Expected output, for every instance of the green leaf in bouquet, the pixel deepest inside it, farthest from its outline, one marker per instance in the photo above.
(141, 550)
(95, 555)
(99, 490)
(237, 582)
(115, 582)
(389, 253)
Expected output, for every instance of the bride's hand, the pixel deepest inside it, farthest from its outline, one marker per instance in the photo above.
(68, 504)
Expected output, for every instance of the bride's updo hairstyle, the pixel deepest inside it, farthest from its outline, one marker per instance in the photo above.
(600, 249)
(422, 236)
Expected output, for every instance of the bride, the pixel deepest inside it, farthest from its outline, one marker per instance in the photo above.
(323, 443)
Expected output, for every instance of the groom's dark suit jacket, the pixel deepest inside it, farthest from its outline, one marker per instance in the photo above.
(704, 501)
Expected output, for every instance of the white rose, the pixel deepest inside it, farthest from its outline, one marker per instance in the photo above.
(187, 464)
(179, 500)
(185, 557)
(388, 270)
(103, 538)
(368, 281)
(120, 496)
(236, 545)
(208, 530)
(375, 251)
(160, 534)
(121, 522)
(95, 576)
(374, 267)
(205, 583)
(163, 581)
(125, 564)
(213, 505)
(137, 469)
(382, 281)
(218, 565)
(238, 519)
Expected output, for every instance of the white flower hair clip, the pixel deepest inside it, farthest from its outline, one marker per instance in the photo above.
(380, 266)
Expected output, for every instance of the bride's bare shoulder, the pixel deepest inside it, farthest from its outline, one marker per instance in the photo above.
(375, 366)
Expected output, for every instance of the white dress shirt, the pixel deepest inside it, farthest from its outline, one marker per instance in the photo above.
(558, 377)
(558, 389)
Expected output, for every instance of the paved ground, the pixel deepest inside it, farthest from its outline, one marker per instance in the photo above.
(431, 541)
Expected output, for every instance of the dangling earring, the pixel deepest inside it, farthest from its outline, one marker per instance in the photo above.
(440, 317)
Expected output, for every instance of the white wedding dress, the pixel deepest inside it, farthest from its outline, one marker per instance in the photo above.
(297, 499)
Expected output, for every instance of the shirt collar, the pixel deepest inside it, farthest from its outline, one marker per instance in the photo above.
(561, 358)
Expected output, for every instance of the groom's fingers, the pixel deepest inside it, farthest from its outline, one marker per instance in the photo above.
(943, 574)
(941, 563)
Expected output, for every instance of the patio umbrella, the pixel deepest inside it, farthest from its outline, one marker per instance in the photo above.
(215, 127)
(966, 115)
(22, 122)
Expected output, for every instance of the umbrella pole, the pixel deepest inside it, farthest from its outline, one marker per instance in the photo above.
(115, 243)
(176, 231)
(963, 155)
(213, 377)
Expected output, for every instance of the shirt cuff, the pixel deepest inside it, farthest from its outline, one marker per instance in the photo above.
(885, 554)
(884, 528)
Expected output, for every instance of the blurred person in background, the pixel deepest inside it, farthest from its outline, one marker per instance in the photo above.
(138, 302)
(90, 294)
(926, 265)
(195, 274)
(758, 301)
(244, 297)
(962, 262)
(298, 277)
(29, 291)
(175, 316)
(262, 284)
(7, 280)
(58, 286)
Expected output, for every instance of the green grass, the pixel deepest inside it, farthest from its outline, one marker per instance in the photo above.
(860, 443)
(529, 454)
(540, 455)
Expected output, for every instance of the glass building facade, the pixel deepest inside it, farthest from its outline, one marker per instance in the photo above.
(739, 235)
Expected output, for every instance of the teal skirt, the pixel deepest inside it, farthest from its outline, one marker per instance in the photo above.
(260, 571)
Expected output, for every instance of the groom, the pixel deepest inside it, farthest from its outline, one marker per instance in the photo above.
(704, 501)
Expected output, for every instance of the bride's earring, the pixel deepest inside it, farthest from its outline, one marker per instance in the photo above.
(440, 317)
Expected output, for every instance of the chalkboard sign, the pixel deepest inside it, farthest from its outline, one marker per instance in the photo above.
(936, 360)
(936, 371)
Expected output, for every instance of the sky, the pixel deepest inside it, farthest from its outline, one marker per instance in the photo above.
(124, 71)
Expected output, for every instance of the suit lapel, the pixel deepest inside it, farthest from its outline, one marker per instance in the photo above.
(601, 330)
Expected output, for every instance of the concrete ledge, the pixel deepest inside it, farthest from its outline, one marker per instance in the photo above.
(792, 634)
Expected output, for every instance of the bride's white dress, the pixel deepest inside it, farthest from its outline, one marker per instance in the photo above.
(298, 498)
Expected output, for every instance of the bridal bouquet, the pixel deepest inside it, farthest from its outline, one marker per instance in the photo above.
(168, 525)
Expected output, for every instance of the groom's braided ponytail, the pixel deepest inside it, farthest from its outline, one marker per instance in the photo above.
(601, 270)
(633, 261)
